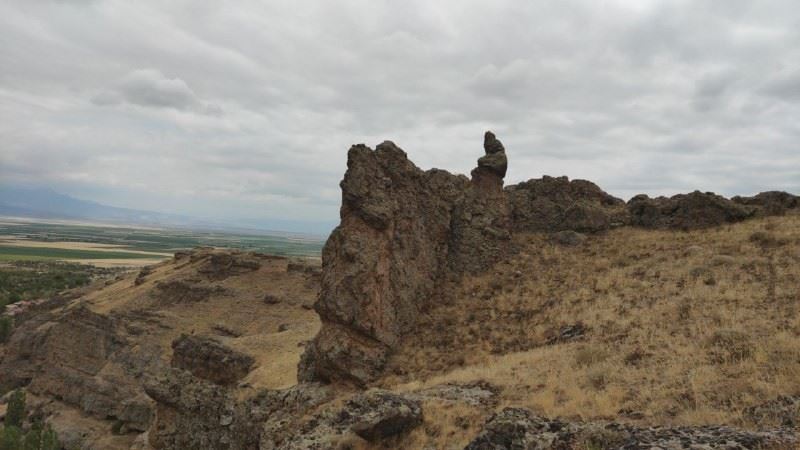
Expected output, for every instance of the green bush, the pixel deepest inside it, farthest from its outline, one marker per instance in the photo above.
(15, 415)
(10, 438)
(6, 326)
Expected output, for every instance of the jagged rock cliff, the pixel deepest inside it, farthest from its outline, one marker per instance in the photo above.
(402, 231)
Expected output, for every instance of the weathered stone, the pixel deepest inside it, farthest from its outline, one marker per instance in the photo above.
(491, 144)
(569, 238)
(402, 231)
(686, 211)
(557, 204)
(518, 428)
(770, 203)
(210, 360)
(382, 414)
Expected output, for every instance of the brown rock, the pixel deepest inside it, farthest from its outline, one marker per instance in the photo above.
(770, 203)
(556, 204)
(402, 231)
(686, 211)
(210, 360)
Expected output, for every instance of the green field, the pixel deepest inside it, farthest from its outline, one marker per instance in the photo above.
(15, 253)
(149, 240)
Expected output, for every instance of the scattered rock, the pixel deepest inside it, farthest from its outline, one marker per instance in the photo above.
(142, 277)
(566, 333)
(518, 428)
(569, 238)
(783, 411)
(271, 299)
(283, 327)
(210, 360)
(225, 331)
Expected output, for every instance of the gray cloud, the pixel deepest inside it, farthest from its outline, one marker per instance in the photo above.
(150, 88)
(248, 111)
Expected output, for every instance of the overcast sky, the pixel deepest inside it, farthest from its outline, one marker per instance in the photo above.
(245, 110)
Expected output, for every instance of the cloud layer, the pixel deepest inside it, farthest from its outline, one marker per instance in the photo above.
(245, 111)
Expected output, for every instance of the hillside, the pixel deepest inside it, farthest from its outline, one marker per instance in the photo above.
(84, 356)
(448, 313)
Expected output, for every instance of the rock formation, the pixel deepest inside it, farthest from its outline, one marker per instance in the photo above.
(686, 211)
(770, 203)
(558, 204)
(514, 428)
(210, 360)
(402, 232)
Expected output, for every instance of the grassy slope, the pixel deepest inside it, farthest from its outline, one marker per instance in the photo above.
(682, 327)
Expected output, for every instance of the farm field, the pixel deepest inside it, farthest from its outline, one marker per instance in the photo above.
(39, 259)
(26, 240)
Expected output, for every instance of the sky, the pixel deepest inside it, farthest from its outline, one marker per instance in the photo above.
(244, 110)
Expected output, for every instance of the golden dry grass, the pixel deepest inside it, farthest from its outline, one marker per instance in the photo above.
(238, 307)
(682, 327)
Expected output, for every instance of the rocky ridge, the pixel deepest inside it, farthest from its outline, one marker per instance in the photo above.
(404, 232)
(174, 355)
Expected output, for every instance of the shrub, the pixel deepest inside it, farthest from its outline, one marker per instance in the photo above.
(10, 438)
(6, 326)
(729, 346)
(15, 415)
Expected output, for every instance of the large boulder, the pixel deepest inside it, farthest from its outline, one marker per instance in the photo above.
(686, 211)
(383, 414)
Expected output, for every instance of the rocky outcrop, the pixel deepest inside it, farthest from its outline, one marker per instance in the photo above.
(79, 357)
(198, 414)
(686, 211)
(518, 428)
(402, 231)
(383, 414)
(221, 265)
(376, 416)
(210, 360)
(770, 203)
(558, 204)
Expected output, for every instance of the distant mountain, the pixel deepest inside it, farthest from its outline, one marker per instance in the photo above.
(45, 203)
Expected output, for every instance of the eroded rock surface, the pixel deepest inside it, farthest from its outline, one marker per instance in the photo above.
(519, 428)
(686, 211)
(770, 203)
(558, 204)
(210, 360)
(402, 231)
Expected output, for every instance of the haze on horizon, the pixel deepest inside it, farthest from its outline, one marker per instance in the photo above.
(245, 110)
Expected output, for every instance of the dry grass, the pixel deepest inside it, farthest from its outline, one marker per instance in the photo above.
(682, 327)
(239, 307)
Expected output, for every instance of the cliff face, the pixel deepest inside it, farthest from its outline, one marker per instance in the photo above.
(402, 231)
